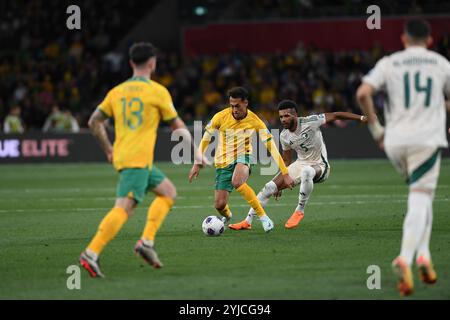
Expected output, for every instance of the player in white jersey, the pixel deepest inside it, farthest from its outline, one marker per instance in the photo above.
(301, 135)
(415, 80)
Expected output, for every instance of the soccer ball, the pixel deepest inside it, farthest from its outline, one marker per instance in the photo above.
(212, 226)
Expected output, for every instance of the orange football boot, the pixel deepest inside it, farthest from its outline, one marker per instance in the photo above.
(405, 282)
(243, 225)
(426, 271)
(294, 220)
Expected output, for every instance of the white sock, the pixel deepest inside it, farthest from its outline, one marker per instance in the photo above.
(424, 243)
(415, 224)
(263, 196)
(148, 243)
(306, 187)
(92, 254)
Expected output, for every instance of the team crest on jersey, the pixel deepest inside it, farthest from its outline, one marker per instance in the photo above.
(304, 135)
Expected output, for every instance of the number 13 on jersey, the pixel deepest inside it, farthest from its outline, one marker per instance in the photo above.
(132, 112)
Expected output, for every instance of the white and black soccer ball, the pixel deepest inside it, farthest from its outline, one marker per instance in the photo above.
(213, 226)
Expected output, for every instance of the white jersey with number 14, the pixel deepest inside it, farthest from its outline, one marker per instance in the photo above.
(415, 80)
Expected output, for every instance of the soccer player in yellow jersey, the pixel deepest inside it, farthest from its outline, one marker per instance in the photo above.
(137, 106)
(236, 124)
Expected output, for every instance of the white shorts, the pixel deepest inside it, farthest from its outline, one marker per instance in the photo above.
(295, 171)
(419, 165)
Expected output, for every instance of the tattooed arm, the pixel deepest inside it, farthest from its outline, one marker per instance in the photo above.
(97, 125)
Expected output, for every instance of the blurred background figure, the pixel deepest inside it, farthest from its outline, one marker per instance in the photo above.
(70, 122)
(13, 122)
(61, 121)
(55, 120)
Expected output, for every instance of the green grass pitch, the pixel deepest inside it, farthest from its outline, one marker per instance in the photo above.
(48, 213)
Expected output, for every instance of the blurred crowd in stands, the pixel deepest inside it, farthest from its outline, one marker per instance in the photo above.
(53, 83)
(43, 66)
(319, 81)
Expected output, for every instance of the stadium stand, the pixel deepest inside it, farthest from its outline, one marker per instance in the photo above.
(42, 66)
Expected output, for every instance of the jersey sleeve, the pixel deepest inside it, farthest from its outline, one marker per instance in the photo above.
(167, 108)
(212, 125)
(315, 120)
(263, 133)
(106, 106)
(377, 76)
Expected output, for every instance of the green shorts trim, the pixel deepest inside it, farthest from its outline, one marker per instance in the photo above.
(224, 175)
(136, 182)
(424, 168)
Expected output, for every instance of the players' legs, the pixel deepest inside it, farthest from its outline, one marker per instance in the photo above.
(111, 225)
(271, 188)
(307, 176)
(130, 191)
(414, 223)
(222, 190)
(221, 203)
(427, 182)
(239, 182)
(420, 166)
(107, 230)
(240, 175)
(423, 170)
(159, 208)
(398, 157)
(165, 193)
(427, 274)
(424, 243)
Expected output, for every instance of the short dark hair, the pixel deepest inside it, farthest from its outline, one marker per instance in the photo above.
(287, 104)
(142, 51)
(417, 29)
(239, 93)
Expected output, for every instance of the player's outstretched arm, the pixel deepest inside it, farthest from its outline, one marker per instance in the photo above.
(364, 97)
(331, 117)
(97, 125)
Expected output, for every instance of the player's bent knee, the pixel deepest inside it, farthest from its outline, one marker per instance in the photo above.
(128, 204)
(236, 183)
(308, 173)
(172, 192)
(166, 189)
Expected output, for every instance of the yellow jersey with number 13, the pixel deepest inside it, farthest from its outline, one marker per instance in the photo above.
(137, 106)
